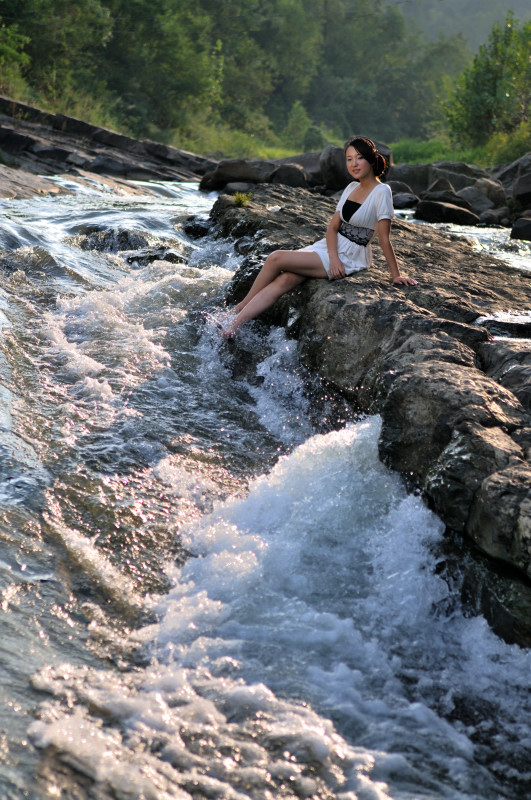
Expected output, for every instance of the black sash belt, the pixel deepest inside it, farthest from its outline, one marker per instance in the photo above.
(356, 234)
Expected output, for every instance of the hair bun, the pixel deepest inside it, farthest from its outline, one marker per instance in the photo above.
(379, 164)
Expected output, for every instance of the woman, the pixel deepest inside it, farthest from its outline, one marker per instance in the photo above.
(364, 210)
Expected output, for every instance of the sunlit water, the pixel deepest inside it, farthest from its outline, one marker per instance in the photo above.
(210, 586)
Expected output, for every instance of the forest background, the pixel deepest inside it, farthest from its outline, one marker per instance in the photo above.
(269, 78)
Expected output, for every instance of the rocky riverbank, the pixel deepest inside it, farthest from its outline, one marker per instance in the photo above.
(455, 402)
(35, 145)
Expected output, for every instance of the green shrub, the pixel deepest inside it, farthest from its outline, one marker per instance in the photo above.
(242, 199)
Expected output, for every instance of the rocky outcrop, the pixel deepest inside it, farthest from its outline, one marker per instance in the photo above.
(496, 196)
(35, 145)
(445, 191)
(456, 415)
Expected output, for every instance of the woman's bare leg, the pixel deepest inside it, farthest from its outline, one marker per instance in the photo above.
(306, 263)
(286, 270)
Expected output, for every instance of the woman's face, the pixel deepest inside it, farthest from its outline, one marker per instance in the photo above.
(357, 165)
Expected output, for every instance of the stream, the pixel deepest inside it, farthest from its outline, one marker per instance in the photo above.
(211, 587)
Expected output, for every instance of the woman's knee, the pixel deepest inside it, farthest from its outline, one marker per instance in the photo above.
(275, 259)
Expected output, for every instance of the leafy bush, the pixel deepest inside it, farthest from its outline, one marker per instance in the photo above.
(494, 94)
(242, 199)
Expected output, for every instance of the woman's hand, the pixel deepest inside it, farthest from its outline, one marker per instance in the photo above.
(337, 269)
(404, 280)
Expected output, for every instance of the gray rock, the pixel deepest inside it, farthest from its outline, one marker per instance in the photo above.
(50, 152)
(522, 229)
(238, 186)
(426, 403)
(399, 187)
(454, 478)
(110, 241)
(416, 176)
(458, 173)
(405, 200)
(237, 170)
(13, 141)
(477, 200)
(445, 196)
(496, 216)
(310, 162)
(500, 516)
(522, 184)
(333, 168)
(515, 175)
(508, 361)
(493, 190)
(290, 175)
(433, 211)
(506, 174)
(440, 186)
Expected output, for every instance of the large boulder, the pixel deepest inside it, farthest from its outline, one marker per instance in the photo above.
(434, 211)
(508, 360)
(522, 185)
(458, 173)
(500, 516)
(238, 170)
(514, 178)
(477, 200)
(446, 196)
(473, 452)
(403, 200)
(416, 176)
(310, 163)
(493, 189)
(421, 177)
(290, 175)
(496, 216)
(521, 229)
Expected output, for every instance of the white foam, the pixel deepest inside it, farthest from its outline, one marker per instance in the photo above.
(319, 587)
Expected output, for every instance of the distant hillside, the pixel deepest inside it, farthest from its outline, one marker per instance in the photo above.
(472, 18)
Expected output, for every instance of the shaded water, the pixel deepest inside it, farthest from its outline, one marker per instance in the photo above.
(206, 591)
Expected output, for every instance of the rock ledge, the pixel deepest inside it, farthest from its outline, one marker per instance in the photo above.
(456, 422)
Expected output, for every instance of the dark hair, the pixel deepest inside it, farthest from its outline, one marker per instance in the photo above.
(368, 150)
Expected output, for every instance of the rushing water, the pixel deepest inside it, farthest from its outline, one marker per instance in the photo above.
(206, 590)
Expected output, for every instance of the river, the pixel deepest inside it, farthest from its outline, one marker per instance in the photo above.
(210, 586)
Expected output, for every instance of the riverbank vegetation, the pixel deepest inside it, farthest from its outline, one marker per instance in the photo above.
(273, 77)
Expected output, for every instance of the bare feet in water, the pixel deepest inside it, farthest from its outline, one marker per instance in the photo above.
(226, 333)
(224, 326)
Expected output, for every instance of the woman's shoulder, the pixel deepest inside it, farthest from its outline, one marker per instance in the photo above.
(349, 188)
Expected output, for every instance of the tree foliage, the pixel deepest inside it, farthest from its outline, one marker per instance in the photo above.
(494, 94)
(301, 70)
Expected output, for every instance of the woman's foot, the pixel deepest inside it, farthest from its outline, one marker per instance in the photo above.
(226, 326)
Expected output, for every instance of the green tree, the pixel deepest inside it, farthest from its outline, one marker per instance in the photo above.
(494, 93)
(160, 61)
(13, 59)
(247, 74)
(64, 42)
(377, 74)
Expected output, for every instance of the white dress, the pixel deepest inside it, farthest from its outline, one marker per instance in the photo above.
(362, 225)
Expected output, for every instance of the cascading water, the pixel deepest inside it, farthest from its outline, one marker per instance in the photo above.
(204, 593)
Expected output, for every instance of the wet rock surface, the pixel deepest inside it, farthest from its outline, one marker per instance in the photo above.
(36, 145)
(454, 401)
